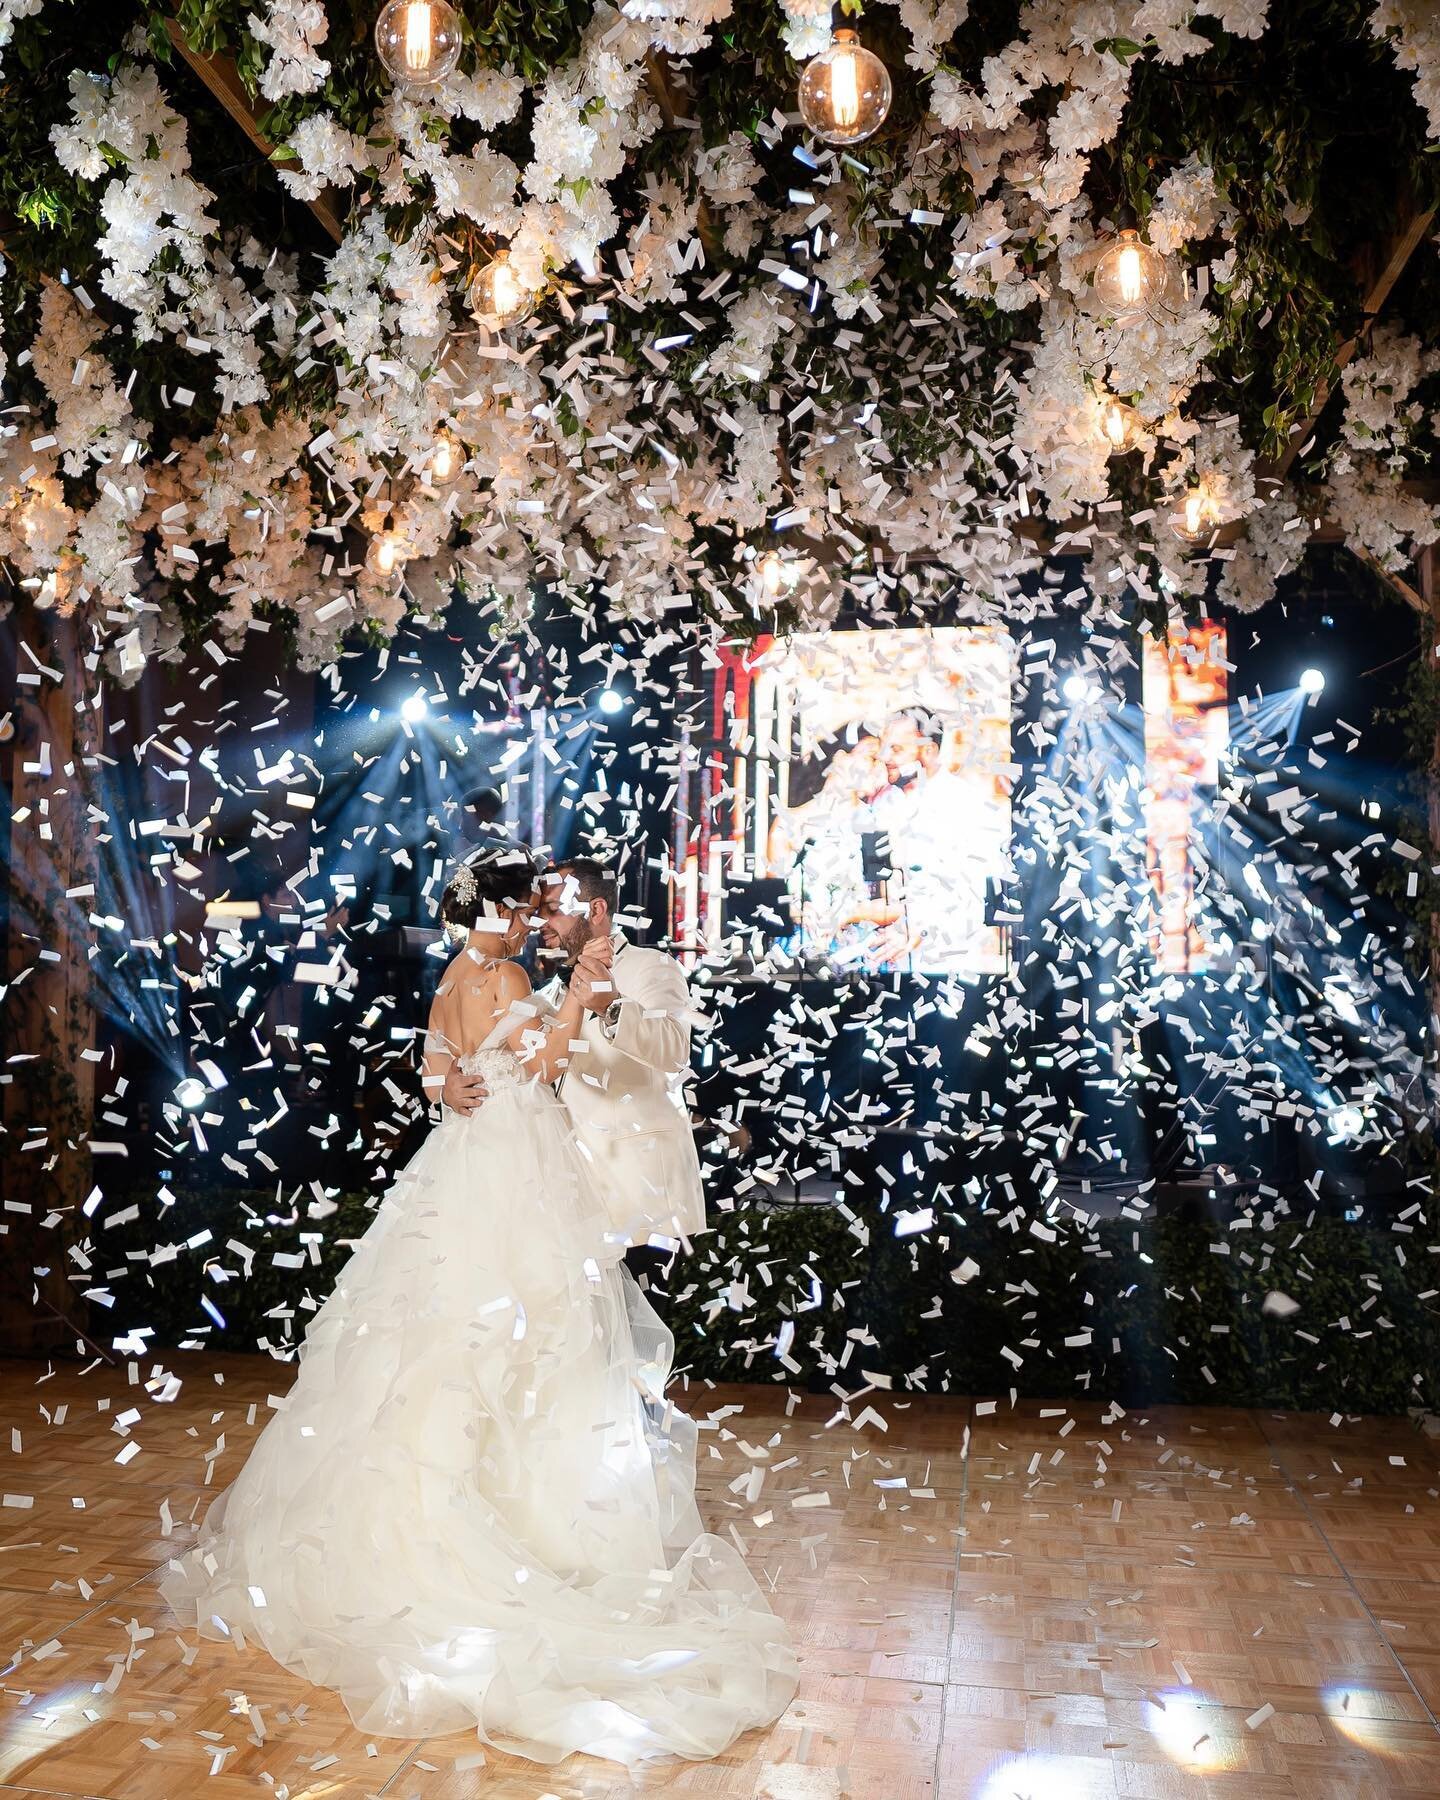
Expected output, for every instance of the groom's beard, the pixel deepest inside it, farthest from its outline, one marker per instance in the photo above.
(558, 964)
(560, 960)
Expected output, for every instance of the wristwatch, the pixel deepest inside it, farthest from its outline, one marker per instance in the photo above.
(610, 1021)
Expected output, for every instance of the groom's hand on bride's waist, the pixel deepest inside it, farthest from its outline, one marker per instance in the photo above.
(462, 1093)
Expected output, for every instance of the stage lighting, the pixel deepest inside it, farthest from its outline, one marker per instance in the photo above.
(191, 1093)
(1078, 688)
(415, 708)
(1311, 681)
(611, 702)
(1346, 1124)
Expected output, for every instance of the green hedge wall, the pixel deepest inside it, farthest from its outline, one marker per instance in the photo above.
(1173, 1309)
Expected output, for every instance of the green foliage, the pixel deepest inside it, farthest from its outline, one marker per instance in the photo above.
(1164, 1317)
(1293, 131)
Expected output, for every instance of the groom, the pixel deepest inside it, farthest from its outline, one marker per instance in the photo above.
(624, 1089)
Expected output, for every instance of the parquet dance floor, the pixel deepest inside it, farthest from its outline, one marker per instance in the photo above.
(1050, 1603)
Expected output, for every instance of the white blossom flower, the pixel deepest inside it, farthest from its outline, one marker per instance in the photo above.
(92, 421)
(328, 155)
(931, 24)
(1379, 415)
(806, 31)
(1380, 516)
(1187, 206)
(290, 30)
(728, 173)
(1274, 539)
(489, 97)
(1413, 28)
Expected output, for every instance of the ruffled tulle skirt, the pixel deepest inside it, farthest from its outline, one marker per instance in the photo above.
(475, 1507)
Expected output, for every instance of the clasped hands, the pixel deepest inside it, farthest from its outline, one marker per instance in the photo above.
(590, 979)
(589, 984)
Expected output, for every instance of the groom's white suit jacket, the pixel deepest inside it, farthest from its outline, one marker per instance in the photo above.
(624, 1093)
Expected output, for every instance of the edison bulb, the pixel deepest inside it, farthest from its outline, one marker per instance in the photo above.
(1194, 515)
(772, 572)
(418, 41)
(387, 553)
(1121, 425)
(845, 92)
(498, 297)
(445, 461)
(1131, 278)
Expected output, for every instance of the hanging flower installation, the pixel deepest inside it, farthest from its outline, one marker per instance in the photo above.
(700, 329)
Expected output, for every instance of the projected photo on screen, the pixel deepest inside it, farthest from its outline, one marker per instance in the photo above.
(881, 793)
(1186, 734)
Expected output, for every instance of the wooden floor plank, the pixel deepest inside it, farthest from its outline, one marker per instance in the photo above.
(1044, 1601)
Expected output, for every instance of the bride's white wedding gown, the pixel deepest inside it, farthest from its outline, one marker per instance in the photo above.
(475, 1509)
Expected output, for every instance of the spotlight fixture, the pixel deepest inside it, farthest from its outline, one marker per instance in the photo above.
(1312, 681)
(611, 703)
(845, 92)
(415, 708)
(497, 295)
(191, 1093)
(1346, 1124)
(418, 41)
(1078, 688)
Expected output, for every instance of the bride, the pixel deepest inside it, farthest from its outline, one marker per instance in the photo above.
(475, 1508)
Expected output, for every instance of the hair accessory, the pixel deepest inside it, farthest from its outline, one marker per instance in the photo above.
(462, 884)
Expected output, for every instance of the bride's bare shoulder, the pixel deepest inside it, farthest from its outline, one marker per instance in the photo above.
(468, 969)
(512, 980)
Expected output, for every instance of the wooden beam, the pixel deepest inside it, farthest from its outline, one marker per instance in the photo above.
(1381, 280)
(223, 80)
(1392, 581)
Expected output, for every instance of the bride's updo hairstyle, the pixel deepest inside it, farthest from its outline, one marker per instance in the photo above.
(489, 884)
